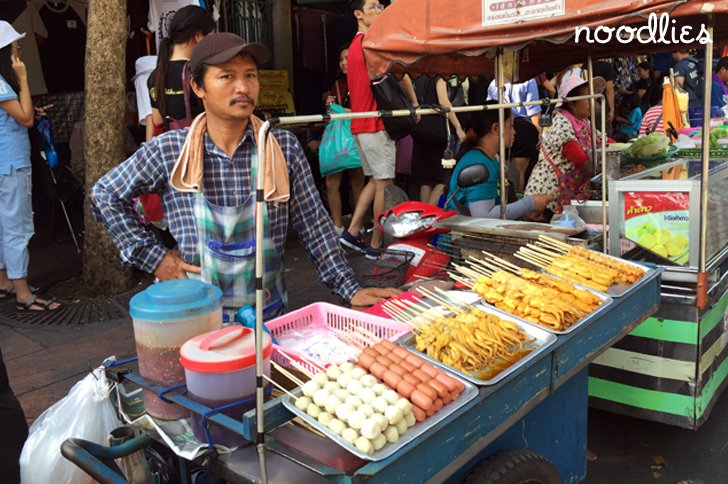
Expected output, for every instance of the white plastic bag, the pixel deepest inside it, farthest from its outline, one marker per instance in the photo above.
(569, 218)
(85, 413)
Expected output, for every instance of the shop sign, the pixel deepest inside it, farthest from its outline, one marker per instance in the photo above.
(275, 98)
(512, 11)
(659, 222)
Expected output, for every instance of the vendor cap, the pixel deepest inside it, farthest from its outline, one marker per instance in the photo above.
(8, 34)
(576, 78)
(220, 48)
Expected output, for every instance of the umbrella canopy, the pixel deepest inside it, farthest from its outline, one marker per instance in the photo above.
(444, 38)
(670, 109)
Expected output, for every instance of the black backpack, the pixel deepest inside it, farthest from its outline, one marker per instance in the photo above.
(390, 97)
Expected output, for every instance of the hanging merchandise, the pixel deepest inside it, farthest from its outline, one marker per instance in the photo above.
(161, 13)
(64, 51)
(24, 17)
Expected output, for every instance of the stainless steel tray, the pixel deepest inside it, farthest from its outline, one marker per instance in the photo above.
(542, 341)
(416, 431)
(606, 302)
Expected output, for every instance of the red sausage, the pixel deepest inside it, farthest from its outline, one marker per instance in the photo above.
(411, 379)
(430, 370)
(428, 390)
(398, 369)
(380, 349)
(401, 352)
(460, 386)
(421, 399)
(405, 388)
(439, 404)
(439, 387)
(370, 351)
(407, 366)
(377, 369)
(421, 375)
(387, 344)
(395, 358)
(446, 399)
(365, 360)
(391, 379)
(431, 411)
(415, 360)
(420, 415)
(454, 395)
(385, 361)
(447, 381)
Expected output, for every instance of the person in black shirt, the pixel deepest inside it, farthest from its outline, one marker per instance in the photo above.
(188, 26)
(643, 86)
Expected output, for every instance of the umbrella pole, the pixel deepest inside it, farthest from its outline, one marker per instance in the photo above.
(702, 296)
(501, 121)
(259, 300)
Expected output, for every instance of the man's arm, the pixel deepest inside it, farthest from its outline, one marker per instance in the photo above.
(111, 204)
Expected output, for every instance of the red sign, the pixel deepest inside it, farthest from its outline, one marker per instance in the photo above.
(643, 203)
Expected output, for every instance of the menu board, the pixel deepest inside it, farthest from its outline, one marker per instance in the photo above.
(275, 98)
(659, 222)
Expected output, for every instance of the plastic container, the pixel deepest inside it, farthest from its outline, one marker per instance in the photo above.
(220, 370)
(165, 316)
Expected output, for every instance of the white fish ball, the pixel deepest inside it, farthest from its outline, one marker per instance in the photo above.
(336, 426)
(390, 396)
(357, 373)
(381, 420)
(379, 388)
(302, 403)
(343, 411)
(379, 404)
(368, 380)
(379, 441)
(365, 445)
(366, 395)
(401, 426)
(354, 386)
(350, 435)
(342, 394)
(356, 419)
(319, 398)
(321, 379)
(310, 387)
(366, 409)
(370, 429)
(331, 386)
(333, 372)
(410, 419)
(354, 401)
(343, 380)
(313, 411)
(404, 405)
(324, 418)
(332, 403)
(393, 414)
(391, 434)
(346, 367)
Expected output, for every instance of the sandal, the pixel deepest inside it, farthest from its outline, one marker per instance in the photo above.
(11, 291)
(25, 308)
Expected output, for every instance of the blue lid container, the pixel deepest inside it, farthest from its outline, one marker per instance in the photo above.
(174, 300)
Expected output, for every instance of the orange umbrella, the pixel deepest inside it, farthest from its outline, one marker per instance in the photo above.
(670, 108)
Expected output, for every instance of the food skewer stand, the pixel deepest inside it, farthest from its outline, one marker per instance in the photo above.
(540, 402)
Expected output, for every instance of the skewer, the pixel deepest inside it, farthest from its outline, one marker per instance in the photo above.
(368, 334)
(302, 423)
(543, 251)
(418, 306)
(503, 265)
(480, 262)
(500, 260)
(478, 271)
(287, 374)
(462, 304)
(531, 261)
(462, 280)
(280, 387)
(345, 338)
(391, 308)
(394, 315)
(534, 255)
(446, 302)
(556, 243)
(425, 313)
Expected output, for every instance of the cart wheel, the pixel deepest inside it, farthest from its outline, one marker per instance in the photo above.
(515, 467)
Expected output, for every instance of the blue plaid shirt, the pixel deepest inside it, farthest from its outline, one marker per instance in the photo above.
(227, 182)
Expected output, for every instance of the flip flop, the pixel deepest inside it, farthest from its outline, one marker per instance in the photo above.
(24, 308)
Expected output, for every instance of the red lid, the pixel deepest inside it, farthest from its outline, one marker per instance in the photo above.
(223, 350)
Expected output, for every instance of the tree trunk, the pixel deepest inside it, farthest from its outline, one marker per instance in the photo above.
(104, 125)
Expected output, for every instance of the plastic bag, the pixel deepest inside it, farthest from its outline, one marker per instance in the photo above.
(338, 150)
(86, 413)
(569, 217)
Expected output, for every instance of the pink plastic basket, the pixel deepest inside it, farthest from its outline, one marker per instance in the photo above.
(334, 317)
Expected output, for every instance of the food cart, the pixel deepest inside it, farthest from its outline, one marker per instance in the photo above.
(518, 412)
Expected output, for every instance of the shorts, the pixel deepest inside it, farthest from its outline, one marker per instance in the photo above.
(378, 154)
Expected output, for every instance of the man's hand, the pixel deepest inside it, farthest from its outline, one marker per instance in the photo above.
(373, 295)
(174, 267)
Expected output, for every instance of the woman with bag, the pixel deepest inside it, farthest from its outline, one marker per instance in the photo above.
(563, 166)
(483, 200)
(430, 139)
(174, 105)
(337, 152)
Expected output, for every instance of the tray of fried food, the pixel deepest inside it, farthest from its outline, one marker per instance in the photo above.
(552, 303)
(582, 266)
(478, 343)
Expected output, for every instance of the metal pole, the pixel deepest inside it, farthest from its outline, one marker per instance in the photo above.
(502, 147)
(702, 295)
(259, 299)
(592, 112)
(603, 152)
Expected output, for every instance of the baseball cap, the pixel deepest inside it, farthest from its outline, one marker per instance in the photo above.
(220, 48)
(8, 34)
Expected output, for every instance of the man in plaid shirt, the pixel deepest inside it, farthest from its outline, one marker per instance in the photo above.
(229, 89)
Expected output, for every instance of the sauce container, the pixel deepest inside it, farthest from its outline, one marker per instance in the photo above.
(165, 315)
(219, 369)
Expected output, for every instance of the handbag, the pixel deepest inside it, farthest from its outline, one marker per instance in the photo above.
(431, 130)
(404, 156)
(338, 149)
(390, 97)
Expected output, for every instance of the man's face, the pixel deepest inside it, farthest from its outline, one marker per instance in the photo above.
(231, 89)
(723, 74)
(369, 13)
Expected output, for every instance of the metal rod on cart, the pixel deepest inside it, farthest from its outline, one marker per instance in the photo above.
(702, 296)
(603, 153)
(502, 148)
(592, 111)
(259, 299)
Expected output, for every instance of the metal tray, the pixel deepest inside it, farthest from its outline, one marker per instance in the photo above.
(543, 340)
(415, 432)
(606, 302)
